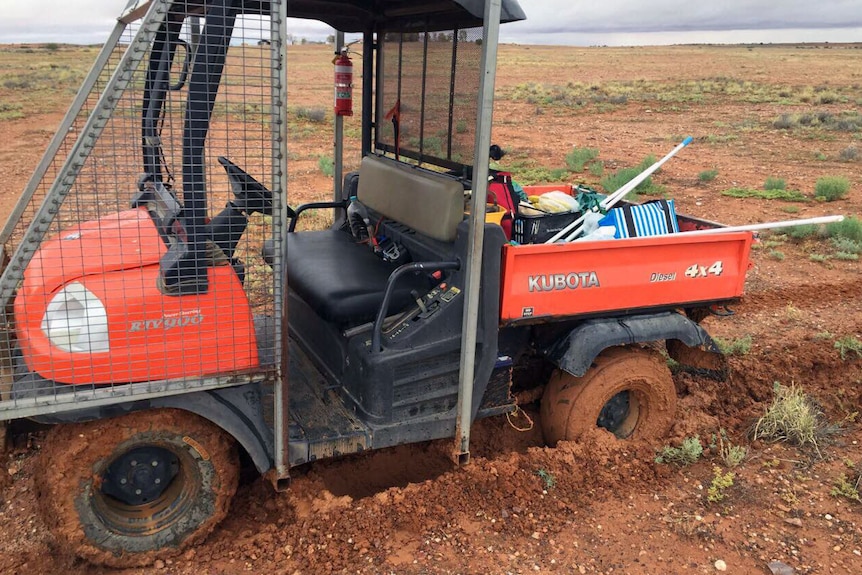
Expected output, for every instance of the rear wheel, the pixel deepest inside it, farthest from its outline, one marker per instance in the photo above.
(128, 490)
(628, 391)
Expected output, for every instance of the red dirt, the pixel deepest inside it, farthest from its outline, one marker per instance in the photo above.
(598, 505)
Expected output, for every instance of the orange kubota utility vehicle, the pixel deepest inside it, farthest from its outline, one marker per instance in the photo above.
(162, 312)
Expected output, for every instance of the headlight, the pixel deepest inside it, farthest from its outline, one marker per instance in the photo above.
(76, 321)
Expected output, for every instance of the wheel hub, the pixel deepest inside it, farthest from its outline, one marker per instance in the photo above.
(615, 414)
(141, 475)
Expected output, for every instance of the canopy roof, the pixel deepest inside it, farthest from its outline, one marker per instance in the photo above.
(400, 15)
(366, 15)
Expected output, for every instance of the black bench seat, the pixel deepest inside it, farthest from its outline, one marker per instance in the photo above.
(344, 281)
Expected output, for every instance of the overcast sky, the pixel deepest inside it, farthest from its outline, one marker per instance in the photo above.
(579, 22)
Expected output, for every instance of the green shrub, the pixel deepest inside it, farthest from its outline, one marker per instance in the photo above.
(792, 417)
(847, 245)
(11, 111)
(802, 232)
(613, 182)
(786, 195)
(831, 188)
(316, 115)
(784, 122)
(740, 346)
(777, 255)
(850, 228)
(848, 345)
(827, 98)
(849, 154)
(687, 453)
(848, 489)
(707, 175)
(772, 183)
(719, 484)
(579, 157)
(548, 479)
(847, 125)
(326, 166)
(528, 175)
(732, 455)
(597, 169)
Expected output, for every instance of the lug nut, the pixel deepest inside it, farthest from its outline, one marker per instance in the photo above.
(134, 463)
(157, 481)
(123, 481)
(137, 491)
(155, 463)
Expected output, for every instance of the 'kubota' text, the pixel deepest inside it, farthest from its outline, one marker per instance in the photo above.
(572, 280)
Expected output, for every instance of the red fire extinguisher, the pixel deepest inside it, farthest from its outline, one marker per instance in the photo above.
(343, 85)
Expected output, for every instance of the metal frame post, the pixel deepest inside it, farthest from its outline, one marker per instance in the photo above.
(338, 145)
(368, 50)
(477, 229)
(281, 385)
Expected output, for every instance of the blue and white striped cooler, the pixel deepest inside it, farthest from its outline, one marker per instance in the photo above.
(654, 218)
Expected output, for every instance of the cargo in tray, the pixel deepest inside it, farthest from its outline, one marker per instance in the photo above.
(537, 228)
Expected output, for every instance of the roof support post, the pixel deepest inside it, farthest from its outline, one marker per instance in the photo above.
(369, 49)
(281, 464)
(477, 228)
(338, 150)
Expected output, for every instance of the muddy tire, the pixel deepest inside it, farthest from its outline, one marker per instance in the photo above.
(129, 490)
(628, 391)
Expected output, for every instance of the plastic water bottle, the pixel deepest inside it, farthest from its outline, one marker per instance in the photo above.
(358, 220)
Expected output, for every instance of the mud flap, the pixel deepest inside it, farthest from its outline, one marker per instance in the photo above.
(575, 352)
(700, 359)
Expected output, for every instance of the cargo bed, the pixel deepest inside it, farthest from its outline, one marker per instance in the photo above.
(545, 281)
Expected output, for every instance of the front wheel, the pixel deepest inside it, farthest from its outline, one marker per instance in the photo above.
(628, 391)
(128, 490)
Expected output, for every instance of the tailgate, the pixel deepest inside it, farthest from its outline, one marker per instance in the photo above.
(560, 280)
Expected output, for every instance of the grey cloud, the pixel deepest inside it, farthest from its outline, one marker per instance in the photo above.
(582, 16)
(88, 21)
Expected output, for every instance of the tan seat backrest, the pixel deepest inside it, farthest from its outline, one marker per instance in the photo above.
(432, 204)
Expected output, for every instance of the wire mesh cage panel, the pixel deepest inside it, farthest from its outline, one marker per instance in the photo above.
(429, 85)
(137, 252)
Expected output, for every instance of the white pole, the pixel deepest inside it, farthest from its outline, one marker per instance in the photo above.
(768, 225)
(614, 198)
